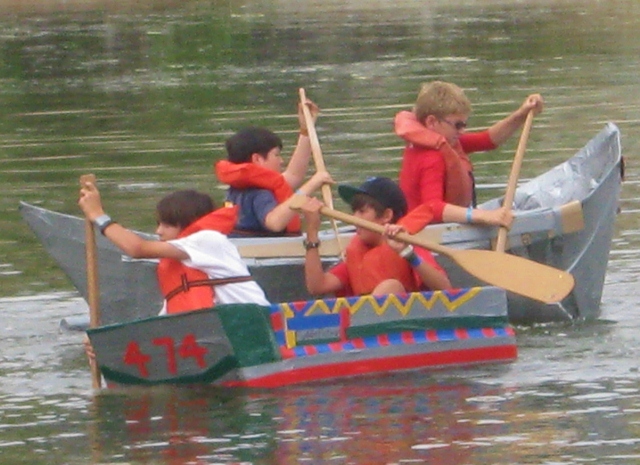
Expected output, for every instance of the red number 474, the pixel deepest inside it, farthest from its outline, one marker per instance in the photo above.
(188, 348)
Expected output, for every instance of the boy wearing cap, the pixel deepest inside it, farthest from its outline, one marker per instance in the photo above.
(436, 169)
(257, 184)
(374, 263)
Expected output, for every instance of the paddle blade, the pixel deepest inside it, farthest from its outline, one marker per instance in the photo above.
(516, 274)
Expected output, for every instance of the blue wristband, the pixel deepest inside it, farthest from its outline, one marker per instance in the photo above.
(414, 260)
(469, 213)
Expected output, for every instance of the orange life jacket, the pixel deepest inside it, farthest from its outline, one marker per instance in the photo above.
(458, 183)
(185, 288)
(369, 266)
(250, 175)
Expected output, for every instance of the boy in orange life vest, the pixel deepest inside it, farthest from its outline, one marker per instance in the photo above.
(374, 264)
(257, 185)
(193, 248)
(436, 169)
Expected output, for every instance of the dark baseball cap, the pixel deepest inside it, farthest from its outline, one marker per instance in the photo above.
(382, 189)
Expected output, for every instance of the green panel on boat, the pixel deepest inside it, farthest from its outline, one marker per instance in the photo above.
(248, 329)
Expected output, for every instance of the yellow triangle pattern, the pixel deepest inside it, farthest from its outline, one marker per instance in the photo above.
(391, 302)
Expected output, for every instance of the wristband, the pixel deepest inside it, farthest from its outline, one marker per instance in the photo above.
(304, 132)
(469, 215)
(414, 260)
(408, 250)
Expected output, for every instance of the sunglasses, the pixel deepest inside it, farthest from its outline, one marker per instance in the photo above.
(458, 125)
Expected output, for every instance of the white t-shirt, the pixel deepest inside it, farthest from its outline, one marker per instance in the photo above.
(213, 253)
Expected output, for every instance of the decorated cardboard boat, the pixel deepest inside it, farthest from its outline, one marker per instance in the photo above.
(308, 341)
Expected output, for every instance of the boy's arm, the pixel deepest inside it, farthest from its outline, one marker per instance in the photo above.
(498, 217)
(127, 241)
(317, 280)
(432, 278)
(299, 163)
(278, 218)
(503, 129)
(136, 247)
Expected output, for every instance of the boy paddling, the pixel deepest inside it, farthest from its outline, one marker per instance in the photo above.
(436, 168)
(199, 267)
(374, 263)
(259, 186)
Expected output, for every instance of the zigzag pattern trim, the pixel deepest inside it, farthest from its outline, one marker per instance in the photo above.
(452, 299)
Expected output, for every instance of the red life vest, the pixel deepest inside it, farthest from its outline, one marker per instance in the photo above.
(250, 175)
(369, 266)
(458, 183)
(184, 288)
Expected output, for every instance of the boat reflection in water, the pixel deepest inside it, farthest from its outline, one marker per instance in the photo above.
(379, 420)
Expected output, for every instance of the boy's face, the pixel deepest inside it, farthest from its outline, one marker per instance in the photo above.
(450, 127)
(167, 232)
(272, 161)
(368, 213)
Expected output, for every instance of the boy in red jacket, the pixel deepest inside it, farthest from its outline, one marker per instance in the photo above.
(436, 168)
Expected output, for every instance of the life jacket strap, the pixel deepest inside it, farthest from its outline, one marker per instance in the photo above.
(186, 285)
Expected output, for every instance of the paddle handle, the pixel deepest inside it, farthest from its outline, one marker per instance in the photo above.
(93, 292)
(316, 151)
(510, 193)
(318, 160)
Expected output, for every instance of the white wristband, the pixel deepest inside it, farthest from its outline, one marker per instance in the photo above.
(408, 250)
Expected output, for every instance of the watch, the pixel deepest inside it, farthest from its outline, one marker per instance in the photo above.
(310, 245)
(103, 222)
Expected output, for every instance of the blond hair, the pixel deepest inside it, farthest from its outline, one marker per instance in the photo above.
(441, 99)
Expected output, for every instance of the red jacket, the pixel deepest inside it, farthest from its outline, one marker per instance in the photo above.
(432, 170)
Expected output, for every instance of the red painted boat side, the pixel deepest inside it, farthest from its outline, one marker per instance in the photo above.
(460, 357)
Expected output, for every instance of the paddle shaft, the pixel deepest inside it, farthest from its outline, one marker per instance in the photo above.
(516, 274)
(93, 292)
(375, 227)
(316, 151)
(501, 241)
(318, 159)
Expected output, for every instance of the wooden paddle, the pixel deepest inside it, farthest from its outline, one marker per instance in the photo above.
(93, 291)
(515, 274)
(501, 242)
(318, 160)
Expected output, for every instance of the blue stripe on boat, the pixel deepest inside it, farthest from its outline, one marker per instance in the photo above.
(396, 339)
(313, 322)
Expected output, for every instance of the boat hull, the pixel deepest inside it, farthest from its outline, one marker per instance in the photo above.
(298, 342)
